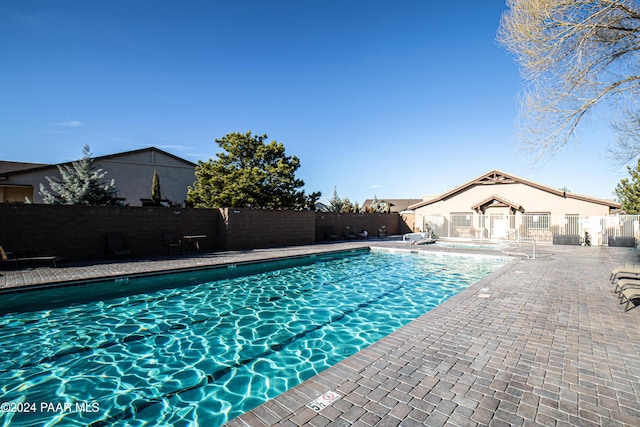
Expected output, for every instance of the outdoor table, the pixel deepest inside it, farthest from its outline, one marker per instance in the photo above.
(193, 242)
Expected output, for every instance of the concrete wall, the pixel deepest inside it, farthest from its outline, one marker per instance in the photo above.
(330, 224)
(409, 220)
(258, 228)
(78, 232)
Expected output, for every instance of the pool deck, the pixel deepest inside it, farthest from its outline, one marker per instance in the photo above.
(540, 342)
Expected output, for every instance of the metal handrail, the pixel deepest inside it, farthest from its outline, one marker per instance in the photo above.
(518, 241)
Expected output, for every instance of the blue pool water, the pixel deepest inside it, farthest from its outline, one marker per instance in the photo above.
(207, 346)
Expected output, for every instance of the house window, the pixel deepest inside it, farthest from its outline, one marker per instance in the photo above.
(537, 221)
(571, 224)
(463, 219)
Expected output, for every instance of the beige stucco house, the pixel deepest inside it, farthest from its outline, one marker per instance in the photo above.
(131, 170)
(499, 205)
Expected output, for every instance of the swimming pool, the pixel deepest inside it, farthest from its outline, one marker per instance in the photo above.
(206, 346)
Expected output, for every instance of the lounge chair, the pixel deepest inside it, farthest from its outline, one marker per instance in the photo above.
(627, 271)
(630, 296)
(623, 284)
(15, 260)
(625, 275)
(116, 246)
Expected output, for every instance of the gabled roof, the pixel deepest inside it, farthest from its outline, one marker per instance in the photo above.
(16, 168)
(496, 200)
(142, 150)
(496, 176)
(6, 167)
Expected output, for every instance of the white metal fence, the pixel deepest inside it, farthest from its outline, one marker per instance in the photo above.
(595, 230)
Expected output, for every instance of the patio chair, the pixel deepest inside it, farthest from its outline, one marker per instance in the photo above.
(630, 296)
(116, 246)
(626, 272)
(625, 275)
(5, 259)
(172, 243)
(33, 260)
(623, 284)
(349, 233)
(332, 235)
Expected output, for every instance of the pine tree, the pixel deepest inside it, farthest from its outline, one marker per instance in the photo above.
(628, 191)
(378, 206)
(347, 207)
(249, 172)
(335, 203)
(80, 184)
(156, 196)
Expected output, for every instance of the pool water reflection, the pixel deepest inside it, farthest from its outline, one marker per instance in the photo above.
(206, 350)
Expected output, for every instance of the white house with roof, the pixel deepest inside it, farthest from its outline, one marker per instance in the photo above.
(131, 170)
(499, 205)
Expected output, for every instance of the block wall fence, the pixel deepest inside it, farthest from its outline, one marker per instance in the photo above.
(330, 224)
(78, 232)
(257, 228)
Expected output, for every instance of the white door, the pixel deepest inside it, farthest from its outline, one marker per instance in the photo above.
(498, 227)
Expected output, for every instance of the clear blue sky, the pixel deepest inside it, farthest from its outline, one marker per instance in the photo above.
(393, 98)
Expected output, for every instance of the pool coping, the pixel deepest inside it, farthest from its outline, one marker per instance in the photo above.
(29, 287)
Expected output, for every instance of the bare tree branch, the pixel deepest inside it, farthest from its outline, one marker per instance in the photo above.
(577, 57)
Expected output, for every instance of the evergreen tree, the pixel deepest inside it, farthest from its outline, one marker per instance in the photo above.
(249, 173)
(312, 200)
(80, 184)
(347, 207)
(335, 203)
(156, 196)
(378, 206)
(628, 191)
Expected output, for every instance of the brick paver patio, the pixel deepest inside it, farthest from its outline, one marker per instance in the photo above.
(540, 342)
